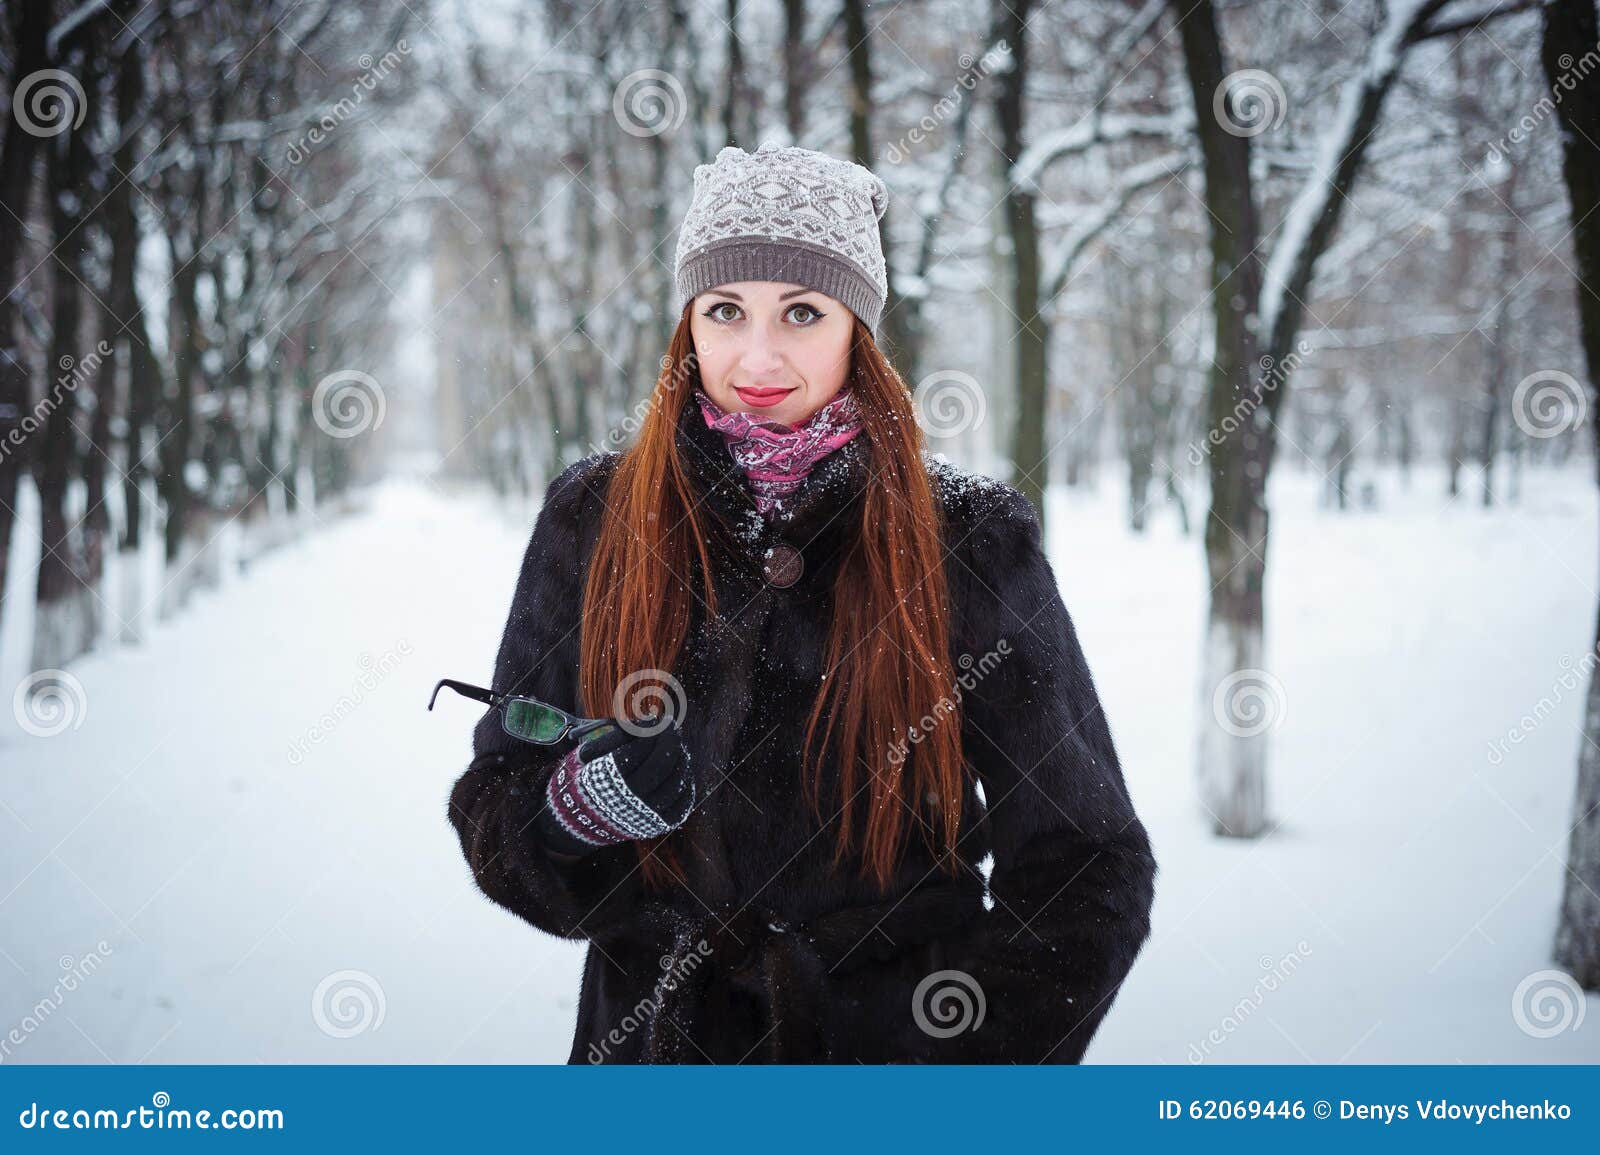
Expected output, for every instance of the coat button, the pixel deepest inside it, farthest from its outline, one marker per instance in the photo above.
(782, 565)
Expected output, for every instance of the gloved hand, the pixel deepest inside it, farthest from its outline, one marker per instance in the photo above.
(617, 787)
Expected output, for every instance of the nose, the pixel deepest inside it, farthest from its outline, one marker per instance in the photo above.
(760, 357)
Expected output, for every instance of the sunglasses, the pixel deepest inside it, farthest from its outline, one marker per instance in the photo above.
(528, 719)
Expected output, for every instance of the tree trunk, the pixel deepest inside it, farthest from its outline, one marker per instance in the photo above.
(893, 333)
(1456, 456)
(99, 377)
(536, 411)
(735, 106)
(177, 411)
(1243, 409)
(126, 329)
(1032, 335)
(1497, 353)
(1232, 757)
(60, 628)
(1571, 29)
(30, 22)
(796, 69)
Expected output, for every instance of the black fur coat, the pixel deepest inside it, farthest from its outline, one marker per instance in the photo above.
(766, 956)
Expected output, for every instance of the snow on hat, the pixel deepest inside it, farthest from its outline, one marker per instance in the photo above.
(786, 214)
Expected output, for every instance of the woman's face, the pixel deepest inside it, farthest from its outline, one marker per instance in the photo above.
(773, 349)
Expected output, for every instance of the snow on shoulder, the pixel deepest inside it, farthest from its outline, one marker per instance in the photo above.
(969, 494)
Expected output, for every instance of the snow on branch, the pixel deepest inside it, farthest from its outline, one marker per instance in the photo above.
(1478, 20)
(1059, 266)
(1314, 213)
(1087, 133)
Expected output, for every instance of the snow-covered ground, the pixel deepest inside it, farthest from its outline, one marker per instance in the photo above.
(241, 853)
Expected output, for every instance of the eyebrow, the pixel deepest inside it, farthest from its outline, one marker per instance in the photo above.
(737, 297)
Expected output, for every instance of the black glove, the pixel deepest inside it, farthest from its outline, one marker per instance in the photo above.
(618, 787)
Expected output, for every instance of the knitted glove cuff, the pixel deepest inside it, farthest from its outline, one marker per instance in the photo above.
(593, 803)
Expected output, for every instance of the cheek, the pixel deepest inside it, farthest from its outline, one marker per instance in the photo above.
(825, 363)
(714, 352)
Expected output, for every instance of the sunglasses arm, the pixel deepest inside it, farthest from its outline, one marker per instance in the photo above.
(466, 690)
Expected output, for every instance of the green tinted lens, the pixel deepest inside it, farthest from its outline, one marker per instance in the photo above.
(534, 721)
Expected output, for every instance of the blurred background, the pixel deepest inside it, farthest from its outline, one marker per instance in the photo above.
(306, 302)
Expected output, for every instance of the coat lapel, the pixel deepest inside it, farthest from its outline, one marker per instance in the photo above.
(720, 663)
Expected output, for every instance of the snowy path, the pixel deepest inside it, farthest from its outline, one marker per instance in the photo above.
(229, 877)
(228, 880)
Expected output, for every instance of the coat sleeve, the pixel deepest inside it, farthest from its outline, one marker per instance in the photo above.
(1073, 874)
(494, 803)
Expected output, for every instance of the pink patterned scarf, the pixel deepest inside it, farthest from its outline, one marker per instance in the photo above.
(776, 457)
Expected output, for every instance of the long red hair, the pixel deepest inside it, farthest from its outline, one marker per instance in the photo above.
(889, 674)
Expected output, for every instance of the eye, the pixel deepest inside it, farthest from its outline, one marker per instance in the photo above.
(809, 313)
(716, 314)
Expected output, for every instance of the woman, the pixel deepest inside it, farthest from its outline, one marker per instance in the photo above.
(859, 683)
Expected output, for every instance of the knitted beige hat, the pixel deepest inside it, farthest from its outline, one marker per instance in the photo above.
(786, 214)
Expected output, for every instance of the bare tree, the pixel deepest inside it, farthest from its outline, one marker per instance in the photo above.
(1571, 33)
(30, 24)
(1259, 307)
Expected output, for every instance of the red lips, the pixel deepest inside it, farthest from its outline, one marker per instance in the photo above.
(762, 398)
